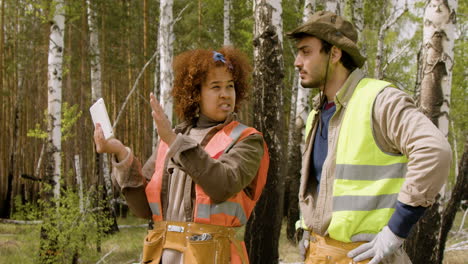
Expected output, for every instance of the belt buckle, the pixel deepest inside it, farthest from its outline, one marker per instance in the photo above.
(175, 228)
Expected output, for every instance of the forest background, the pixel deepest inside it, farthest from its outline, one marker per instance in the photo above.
(128, 41)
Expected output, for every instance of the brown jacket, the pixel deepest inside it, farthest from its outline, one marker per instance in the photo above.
(398, 127)
(220, 178)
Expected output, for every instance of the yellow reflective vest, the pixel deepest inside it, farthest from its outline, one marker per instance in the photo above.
(367, 180)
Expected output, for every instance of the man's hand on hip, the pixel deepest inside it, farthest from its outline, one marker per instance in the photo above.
(383, 245)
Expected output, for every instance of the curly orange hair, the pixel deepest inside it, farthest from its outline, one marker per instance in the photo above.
(192, 67)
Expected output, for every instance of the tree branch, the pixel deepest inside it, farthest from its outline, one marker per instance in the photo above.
(397, 55)
(133, 89)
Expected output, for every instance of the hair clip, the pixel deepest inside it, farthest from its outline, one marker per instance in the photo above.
(220, 57)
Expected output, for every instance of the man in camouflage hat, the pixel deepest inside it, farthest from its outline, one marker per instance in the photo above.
(373, 163)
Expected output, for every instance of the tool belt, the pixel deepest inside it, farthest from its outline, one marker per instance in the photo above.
(199, 243)
(326, 250)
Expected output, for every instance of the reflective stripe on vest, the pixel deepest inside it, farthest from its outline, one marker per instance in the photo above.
(233, 212)
(367, 180)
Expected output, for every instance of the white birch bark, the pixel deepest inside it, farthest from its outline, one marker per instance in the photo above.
(79, 181)
(96, 83)
(165, 40)
(436, 77)
(357, 13)
(438, 42)
(227, 23)
(335, 6)
(96, 87)
(310, 6)
(276, 19)
(54, 83)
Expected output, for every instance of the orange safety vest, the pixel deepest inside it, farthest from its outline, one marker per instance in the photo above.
(233, 212)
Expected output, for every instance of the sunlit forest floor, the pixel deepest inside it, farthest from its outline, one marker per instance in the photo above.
(20, 244)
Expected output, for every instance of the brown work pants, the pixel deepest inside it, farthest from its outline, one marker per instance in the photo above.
(179, 236)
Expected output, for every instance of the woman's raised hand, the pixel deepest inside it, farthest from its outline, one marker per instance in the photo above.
(162, 123)
(112, 145)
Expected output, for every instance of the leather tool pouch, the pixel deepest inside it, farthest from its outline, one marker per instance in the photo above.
(153, 246)
(325, 251)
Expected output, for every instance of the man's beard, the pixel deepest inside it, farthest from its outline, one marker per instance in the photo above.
(312, 84)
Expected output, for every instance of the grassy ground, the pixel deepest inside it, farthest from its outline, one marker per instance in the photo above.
(20, 244)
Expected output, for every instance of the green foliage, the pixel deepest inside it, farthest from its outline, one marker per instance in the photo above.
(242, 26)
(70, 115)
(40, 5)
(37, 132)
(27, 211)
(69, 230)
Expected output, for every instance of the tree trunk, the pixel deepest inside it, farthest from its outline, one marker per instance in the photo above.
(48, 252)
(335, 6)
(299, 112)
(165, 39)
(6, 211)
(437, 58)
(55, 62)
(227, 23)
(96, 92)
(448, 215)
(356, 14)
(263, 228)
(438, 42)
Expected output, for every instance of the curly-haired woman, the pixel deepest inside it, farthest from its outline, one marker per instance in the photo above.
(206, 175)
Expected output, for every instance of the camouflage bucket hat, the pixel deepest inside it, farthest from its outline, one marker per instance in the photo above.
(333, 29)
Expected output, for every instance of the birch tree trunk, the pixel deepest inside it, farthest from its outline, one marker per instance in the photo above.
(96, 74)
(48, 243)
(102, 160)
(335, 6)
(437, 58)
(298, 117)
(227, 23)
(438, 42)
(357, 14)
(54, 84)
(165, 40)
(263, 229)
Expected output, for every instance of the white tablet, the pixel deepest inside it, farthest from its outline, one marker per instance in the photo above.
(99, 115)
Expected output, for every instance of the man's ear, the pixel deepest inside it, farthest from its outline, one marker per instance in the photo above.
(335, 55)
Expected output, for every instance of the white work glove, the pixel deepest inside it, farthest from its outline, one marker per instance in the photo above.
(304, 244)
(383, 245)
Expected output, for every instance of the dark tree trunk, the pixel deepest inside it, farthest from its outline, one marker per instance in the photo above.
(263, 228)
(424, 236)
(448, 215)
(6, 211)
(292, 183)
